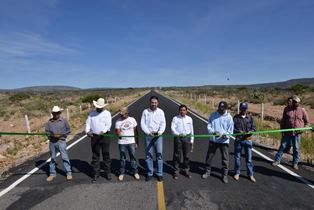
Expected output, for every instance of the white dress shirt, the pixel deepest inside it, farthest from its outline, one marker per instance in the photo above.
(182, 126)
(98, 122)
(153, 121)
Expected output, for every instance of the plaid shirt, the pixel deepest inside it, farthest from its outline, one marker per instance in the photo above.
(294, 118)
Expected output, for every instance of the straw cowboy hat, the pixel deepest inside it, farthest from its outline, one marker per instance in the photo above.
(56, 109)
(100, 103)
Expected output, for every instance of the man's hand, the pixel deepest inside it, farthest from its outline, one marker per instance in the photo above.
(136, 146)
(153, 134)
(90, 134)
(224, 136)
(216, 134)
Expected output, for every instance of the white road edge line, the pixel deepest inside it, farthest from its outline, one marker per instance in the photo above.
(302, 179)
(14, 184)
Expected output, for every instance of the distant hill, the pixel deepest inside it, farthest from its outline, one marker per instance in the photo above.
(304, 81)
(285, 84)
(43, 88)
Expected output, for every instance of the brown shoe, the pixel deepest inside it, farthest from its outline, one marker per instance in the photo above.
(295, 166)
(50, 178)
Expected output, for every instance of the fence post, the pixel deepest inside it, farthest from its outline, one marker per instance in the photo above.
(80, 109)
(262, 111)
(27, 124)
(68, 114)
(238, 106)
(205, 99)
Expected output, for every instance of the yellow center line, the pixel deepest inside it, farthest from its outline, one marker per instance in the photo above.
(161, 196)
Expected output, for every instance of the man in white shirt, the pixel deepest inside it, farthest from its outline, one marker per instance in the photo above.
(127, 126)
(153, 123)
(97, 124)
(182, 128)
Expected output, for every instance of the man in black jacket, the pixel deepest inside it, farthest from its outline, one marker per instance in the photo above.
(243, 123)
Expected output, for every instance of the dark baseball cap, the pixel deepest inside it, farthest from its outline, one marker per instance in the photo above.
(222, 105)
(244, 105)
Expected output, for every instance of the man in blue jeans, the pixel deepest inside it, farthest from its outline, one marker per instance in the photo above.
(57, 129)
(243, 123)
(126, 128)
(293, 117)
(153, 123)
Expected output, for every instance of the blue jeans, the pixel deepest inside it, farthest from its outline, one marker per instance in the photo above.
(295, 139)
(60, 146)
(131, 149)
(247, 145)
(150, 143)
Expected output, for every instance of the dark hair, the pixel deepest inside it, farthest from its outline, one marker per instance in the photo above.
(154, 97)
(183, 106)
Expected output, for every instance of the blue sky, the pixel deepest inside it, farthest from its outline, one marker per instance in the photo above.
(136, 43)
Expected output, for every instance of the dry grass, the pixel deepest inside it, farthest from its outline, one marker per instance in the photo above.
(273, 113)
(37, 105)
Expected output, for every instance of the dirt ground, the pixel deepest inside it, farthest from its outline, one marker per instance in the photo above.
(276, 111)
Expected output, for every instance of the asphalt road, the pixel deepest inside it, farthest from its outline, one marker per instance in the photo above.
(274, 189)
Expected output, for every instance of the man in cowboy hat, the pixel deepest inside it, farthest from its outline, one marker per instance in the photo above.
(98, 123)
(57, 129)
(293, 117)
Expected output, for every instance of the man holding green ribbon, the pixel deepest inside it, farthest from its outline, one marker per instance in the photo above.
(153, 123)
(182, 128)
(294, 117)
(243, 123)
(220, 125)
(57, 129)
(99, 123)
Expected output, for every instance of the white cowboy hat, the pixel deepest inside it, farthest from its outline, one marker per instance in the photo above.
(56, 109)
(296, 98)
(100, 103)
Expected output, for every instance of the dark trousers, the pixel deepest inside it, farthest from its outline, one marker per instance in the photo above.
(100, 144)
(181, 145)
(224, 150)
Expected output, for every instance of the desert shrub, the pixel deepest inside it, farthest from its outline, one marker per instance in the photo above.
(280, 101)
(2, 113)
(298, 89)
(255, 97)
(309, 102)
(17, 97)
(90, 98)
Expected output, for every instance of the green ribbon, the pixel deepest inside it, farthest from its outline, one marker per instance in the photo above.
(23, 134)
(172, 135)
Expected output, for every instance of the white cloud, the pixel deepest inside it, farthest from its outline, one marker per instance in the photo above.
(26, 45)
